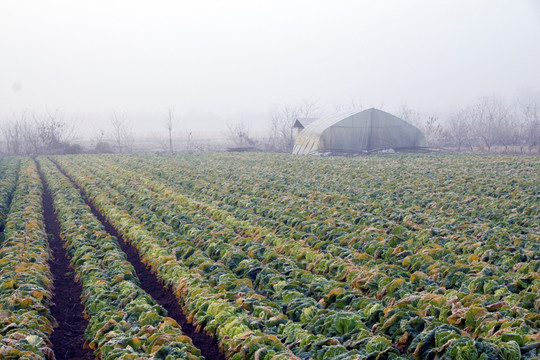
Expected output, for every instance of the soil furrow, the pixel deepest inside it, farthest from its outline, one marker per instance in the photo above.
(150, 283)
(68, 338)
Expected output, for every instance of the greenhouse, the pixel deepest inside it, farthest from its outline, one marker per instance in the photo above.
(358, 132)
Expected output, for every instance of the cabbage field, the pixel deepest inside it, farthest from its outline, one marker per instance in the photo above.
(274, 256)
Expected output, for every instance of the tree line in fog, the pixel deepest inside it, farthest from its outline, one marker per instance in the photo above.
(491, 124)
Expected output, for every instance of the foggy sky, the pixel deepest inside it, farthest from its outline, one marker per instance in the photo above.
(218, 61)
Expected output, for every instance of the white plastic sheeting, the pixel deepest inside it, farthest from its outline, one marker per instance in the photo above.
(356, 132)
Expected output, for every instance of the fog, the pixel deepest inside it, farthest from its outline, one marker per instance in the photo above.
(221, 61)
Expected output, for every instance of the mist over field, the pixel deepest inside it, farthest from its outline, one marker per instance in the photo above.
(219, 63)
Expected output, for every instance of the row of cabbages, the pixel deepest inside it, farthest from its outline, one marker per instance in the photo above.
(124, 321)
(400, 314)
(307, 328)
(464, 229)
(240, 334)
(25, 280)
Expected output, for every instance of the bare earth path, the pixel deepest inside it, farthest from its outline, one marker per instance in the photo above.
(149, 282)
(68, 338)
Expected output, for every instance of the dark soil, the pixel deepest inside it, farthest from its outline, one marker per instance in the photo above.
(68, 338)
(150, 284)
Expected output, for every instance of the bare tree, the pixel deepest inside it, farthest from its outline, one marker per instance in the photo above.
(52, 133)
(282, 121)
(238, 132)
(169, 122)
(281, 127)
(433, 130)
(530, 128)
(458, 130)
(42, 134)
(13, 134)
(189, 142)
(31, 139)
(409, 115)
(122, 133)
(507, 130)
(431, 127)
(118, 123)
(308, 107)
(492, 122)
